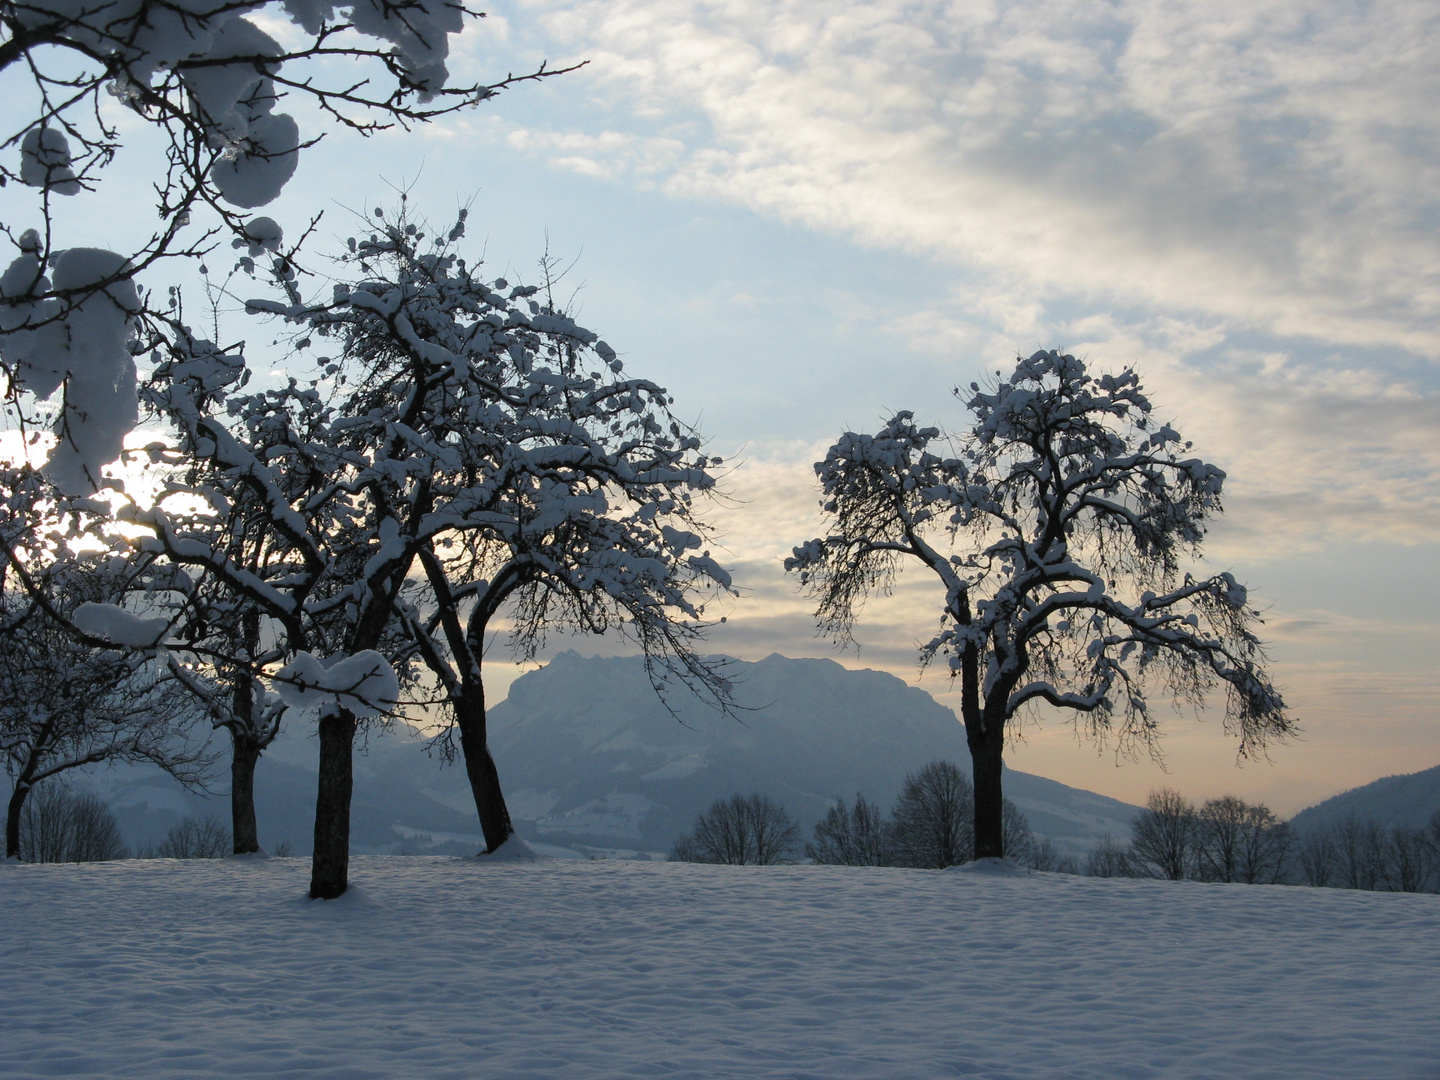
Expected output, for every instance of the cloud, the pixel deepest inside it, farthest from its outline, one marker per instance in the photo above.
(1276, 163)
(609, 155)
(1239, 199)
(1319, 445)
(1215, 171)
(1315, 452)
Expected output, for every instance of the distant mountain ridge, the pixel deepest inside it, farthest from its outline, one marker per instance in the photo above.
(590, 756)
(593, 762)
(1410, 800)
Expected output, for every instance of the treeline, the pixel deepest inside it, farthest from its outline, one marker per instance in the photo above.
(1230, 840)
(931, 826)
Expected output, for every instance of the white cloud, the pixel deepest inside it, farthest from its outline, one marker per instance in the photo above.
(1242, 192)
(1275, 162)
(609, 155)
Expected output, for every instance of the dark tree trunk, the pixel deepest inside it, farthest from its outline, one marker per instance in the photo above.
(245, 751)
(12, 819)
(480, 768)
(330, 864)
(986, 757)
(244, 754)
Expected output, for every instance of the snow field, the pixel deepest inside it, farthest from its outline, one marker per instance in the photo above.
(437, 967)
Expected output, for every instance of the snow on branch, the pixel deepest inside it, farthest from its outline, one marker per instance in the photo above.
(208, 78)
(458, 427)
(364, 684)
(112, 623)
(77, 335)
(496, 440)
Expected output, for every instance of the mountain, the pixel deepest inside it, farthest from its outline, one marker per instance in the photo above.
(1410, 800)
(591, 757)
(593, 762)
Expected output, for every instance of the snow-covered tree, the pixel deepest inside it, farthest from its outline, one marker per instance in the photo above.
(465, 453)
(225, 681)
(208, 77)
(67, 703)
(527, 476)
(229, 627)
(64, 705)
(1055, 527)
(277, 512)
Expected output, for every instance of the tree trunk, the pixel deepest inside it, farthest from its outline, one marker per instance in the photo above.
(480, 768)
(245, 749)
(12, 819)
(245, 752)
(986, 747)
(330, 864)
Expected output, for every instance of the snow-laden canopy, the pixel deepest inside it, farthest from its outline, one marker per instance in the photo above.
(1056, 526)
(207, 75)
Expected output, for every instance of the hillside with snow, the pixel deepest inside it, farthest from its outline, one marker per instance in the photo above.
(592, 762)
(1410, 800)
(460, 969)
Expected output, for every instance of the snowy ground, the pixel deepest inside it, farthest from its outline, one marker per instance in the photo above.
(451, 968)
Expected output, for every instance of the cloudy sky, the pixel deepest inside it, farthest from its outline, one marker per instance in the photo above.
(803, 215)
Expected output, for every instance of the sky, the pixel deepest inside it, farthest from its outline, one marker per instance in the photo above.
(801, 216)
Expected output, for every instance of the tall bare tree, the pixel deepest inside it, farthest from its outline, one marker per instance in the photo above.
(1317, 858)
(743, 830)
(854, 835)
(934, 818)
(1162, 835)
(58, 825)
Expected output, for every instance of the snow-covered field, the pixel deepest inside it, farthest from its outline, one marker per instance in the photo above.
(437, 967)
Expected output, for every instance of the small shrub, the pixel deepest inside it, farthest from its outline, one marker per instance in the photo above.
(57, 825)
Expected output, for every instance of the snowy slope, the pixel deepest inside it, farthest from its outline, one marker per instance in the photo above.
(451, 968)
(589, 755)
(1410, 800)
